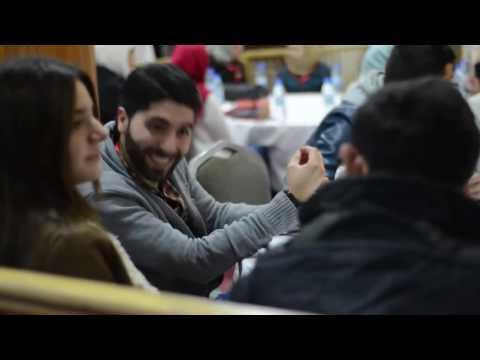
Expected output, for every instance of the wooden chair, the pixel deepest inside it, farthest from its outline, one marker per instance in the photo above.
(29, 293)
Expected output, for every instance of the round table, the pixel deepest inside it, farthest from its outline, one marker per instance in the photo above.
(304, 113)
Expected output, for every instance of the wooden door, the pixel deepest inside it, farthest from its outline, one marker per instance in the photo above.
(82, 56)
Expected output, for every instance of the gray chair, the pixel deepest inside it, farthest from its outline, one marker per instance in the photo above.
(231, 173)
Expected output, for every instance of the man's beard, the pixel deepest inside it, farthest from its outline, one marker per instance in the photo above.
(137, 160)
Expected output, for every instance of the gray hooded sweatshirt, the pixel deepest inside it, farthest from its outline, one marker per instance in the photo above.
(175, 256)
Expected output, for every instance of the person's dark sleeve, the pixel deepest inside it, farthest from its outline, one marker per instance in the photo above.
(335, 130)
(242, 291)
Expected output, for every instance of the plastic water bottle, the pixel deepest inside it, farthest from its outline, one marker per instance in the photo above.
(214, 83)
(219, 90)
(461, 76)
(261, 77)
(278, 105)
(337, 77)
(328, 92)
(210, 80)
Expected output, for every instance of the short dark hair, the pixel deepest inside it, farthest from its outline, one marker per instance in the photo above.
(419, 128)
(477, 70)
(414, 61)
(157, 82)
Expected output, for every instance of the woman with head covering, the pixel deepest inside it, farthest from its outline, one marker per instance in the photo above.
(303, 71)
(210, 126)
(225, 60)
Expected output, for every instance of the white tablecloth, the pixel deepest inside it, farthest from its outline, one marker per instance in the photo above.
(283, 138)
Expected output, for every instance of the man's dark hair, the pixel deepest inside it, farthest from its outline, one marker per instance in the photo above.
(414, 61)
(477, 70)
(158, 82)
(419, 128)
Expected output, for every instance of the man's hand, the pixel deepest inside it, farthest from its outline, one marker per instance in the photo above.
(472, 190)
(306, 173)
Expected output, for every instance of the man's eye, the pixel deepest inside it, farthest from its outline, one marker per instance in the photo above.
(185, 131)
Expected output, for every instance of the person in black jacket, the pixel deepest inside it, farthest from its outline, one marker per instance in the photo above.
(405, 63)
(398, 235)
(109, 88)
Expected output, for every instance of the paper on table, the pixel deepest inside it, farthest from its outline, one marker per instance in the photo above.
(307, 109)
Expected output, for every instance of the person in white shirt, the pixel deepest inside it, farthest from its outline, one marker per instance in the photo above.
(122, 59)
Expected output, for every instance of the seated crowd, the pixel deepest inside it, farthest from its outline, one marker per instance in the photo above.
(394, 233)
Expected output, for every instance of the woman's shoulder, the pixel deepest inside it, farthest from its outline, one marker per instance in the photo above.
(79, 233)
(80, 248)
(57, 234)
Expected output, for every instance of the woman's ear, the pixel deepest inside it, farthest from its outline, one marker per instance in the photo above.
(353, 161)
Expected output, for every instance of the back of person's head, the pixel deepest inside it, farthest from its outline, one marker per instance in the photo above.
(194, 61)
(409, 62)
(116, 58)
(422, 128)
(37, 103)
(155, 83)
(457, 51)
(122, 59)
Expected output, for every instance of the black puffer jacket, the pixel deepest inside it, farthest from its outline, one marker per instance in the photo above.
(376, 245)
(336, 128)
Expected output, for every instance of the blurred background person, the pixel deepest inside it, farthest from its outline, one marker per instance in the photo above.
(406, 62)
(122, 59)
(210, 126)
(114, 63)
(303, 71)
(224, 59)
